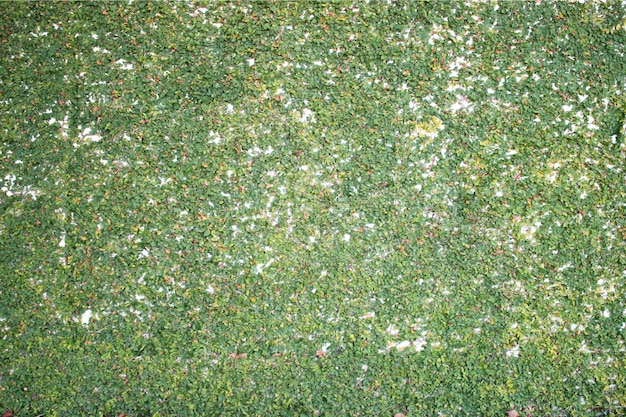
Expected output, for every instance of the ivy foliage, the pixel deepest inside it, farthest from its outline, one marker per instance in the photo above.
(305, 208)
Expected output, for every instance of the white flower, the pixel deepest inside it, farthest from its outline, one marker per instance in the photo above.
(251, 61)
(419, 344)
(403, 345)
(392, 330)
(568, 107)
(164, 181)
(346, 237)
(528, 231)
(590, 123)
(584, 348)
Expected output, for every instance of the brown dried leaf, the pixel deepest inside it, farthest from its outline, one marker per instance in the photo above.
(233, 355)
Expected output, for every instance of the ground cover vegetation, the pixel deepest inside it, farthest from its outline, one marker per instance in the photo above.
(306, 208)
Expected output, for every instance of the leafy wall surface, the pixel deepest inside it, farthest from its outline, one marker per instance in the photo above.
(300, 208)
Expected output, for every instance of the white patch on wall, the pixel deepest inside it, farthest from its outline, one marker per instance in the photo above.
(513, 352)
(308, 116)
(87, 135)
(462, 103)
(85, 317)
(124, 65)
(11, 187)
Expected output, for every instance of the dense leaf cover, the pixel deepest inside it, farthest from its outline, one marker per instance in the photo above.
(305, 208)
